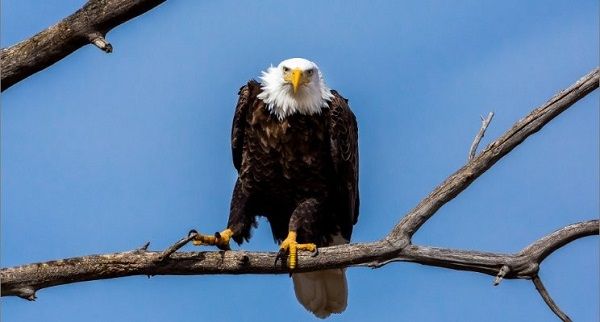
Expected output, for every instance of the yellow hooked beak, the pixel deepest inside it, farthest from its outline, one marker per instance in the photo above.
(295, 77)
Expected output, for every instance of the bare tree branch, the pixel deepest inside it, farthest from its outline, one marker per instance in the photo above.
(87, 25)
(522, 265)
(25, 280)
(462, 178)
(539, 286)
(485, 122)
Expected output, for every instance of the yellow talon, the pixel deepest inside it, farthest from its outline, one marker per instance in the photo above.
(292, 247)
(220, 240)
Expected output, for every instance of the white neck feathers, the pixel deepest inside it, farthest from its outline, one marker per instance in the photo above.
(281, 101)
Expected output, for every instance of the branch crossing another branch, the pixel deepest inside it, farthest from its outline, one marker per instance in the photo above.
(25, 280)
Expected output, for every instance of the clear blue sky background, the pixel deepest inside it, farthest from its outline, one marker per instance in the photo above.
(101, 153)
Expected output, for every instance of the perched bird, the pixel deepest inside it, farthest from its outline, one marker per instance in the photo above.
(295, 147)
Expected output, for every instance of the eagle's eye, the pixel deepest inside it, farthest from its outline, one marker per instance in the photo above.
(310, 72)
(285, 69)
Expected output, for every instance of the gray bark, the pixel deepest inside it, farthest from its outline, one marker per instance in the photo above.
(87, 25)
(24, 280)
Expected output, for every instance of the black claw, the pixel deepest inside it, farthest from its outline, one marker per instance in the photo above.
(315, 253)
(193, 231)
(280, 255)
(223, 247)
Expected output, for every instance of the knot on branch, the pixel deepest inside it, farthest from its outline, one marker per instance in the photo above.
(99, 41)
(398, 239)
(26, 292)
(503, 271)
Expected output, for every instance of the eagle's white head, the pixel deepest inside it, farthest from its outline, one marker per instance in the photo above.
(294, 86)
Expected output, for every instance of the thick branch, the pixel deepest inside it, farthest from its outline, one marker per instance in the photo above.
(87, 25)
(25, 280)
(462, 178)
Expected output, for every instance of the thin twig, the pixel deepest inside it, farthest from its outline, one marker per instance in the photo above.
(485, 122)
(144, 248)
(175, 247)
(501, 274)
(539, 286)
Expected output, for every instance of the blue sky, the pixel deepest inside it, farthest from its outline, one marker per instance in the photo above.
(101, 153)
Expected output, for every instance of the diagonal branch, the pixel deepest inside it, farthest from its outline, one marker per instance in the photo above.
(87, 25)
(25, 280)
(462, 178)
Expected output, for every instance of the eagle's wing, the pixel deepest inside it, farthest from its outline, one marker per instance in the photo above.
(343, 135)
(247, 95)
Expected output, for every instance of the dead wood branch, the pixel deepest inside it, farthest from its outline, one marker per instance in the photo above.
(87, 25)
(485, 122)
(462, 178)
(25, 280)
(539, 286)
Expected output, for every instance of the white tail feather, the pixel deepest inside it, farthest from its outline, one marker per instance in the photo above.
(322, 292)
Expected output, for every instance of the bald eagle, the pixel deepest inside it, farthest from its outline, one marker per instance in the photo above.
(295, 147)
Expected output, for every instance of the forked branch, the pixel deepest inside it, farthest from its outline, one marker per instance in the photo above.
(25, 280)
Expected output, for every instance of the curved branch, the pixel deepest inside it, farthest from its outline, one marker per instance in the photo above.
(542, 248)
(24, 280)
(524, 264)
(539, 286)
(87, 25)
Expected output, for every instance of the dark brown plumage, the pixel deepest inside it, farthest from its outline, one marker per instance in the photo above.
(300, 172)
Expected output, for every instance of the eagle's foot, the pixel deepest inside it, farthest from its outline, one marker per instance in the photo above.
(219, 239)
(291, 247)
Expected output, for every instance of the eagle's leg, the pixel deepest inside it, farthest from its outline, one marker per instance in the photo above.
(302, 218)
